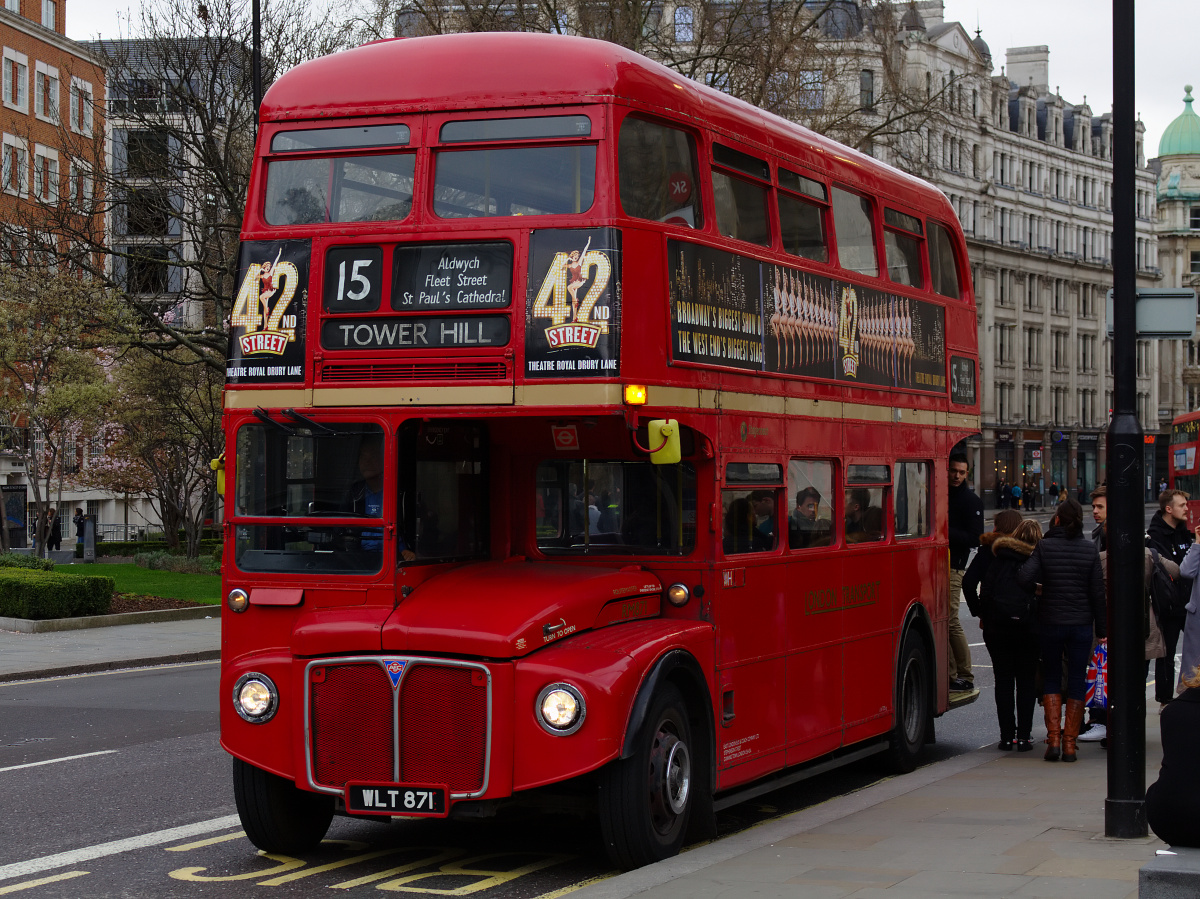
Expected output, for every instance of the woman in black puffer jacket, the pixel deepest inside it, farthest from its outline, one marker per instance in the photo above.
(1067, 566)
(1007, 616)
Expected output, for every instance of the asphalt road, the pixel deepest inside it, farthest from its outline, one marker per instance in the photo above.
(115, 785)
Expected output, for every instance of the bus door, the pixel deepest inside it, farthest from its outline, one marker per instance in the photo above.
(813, 634)
(865, 600)
(751, 579)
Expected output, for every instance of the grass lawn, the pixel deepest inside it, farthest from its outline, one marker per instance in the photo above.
(132, 579)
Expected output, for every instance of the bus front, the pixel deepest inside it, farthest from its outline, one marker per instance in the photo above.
(434, 480)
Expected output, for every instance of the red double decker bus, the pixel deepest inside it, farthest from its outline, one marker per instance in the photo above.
(1183, 470)
(587, 430)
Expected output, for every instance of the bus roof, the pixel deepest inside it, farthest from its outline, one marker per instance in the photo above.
(511, 69)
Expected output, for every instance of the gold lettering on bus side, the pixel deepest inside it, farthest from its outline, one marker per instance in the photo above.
(285, 863)
(442, 854)
(488, 878)
(848, 596)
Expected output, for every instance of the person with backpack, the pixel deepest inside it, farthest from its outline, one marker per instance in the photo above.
(1016, 496)
(1169, 534)
(1007, 614)
(1070, 606)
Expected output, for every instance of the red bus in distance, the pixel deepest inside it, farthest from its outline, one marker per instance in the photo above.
(587, 430)
(1183, 469)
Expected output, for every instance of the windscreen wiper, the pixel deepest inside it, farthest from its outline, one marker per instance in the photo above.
(263, 415)
(314, 425)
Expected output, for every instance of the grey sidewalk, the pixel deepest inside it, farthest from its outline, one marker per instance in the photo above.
(985, 823)
(24, 656)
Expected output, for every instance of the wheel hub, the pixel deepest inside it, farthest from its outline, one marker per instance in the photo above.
(670, 779)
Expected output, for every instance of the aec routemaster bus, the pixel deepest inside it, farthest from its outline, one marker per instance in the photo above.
(1183, 470)
(587, 431)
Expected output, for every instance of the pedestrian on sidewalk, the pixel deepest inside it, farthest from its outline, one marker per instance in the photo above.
(1007, 615)
(966, 526)
(1096, 728)
(1071, 605)
(55, 541)
(1172, 800)
(1190, 568)
(1169, 534)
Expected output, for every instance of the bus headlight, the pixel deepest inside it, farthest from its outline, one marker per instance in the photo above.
(560, 709)
(255, 697)
(678, 594)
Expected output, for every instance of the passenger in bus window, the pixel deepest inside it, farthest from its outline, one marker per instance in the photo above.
(858, 500)
(763, 502)
(803, 527)
(741, 532)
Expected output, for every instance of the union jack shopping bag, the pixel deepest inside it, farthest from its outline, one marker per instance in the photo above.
(1097, 677)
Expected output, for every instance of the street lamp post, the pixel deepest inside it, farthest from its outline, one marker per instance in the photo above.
(256, 59)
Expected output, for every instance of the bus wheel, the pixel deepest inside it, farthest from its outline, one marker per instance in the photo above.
(912, 705)
(645, 800)
(277, 815)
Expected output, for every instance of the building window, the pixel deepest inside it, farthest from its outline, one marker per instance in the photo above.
(146, 270)
(49, 11)
(147, 154)
(866, 89)
(810, 92)
(80, 185)
(685, 25)
(147, 212)
(13, 6)
(16, 80)
(1195, 262)
(45, 174)
(16, 166)
(81, 106)
(1195, 218)
(45, 92)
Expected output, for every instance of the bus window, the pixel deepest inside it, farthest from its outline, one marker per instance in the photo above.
(741, 208)
(615, 508)
(292, 471)
(657, 171)
(803, 228)
(749, 520)
(810, 503)
(339, 189)
(854, 227)
(442, 506)
(942, 266)
(866, 494)
(912, 499)
(514, 181)
(903, 258)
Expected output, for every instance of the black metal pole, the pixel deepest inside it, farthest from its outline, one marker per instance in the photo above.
(1125, 807)
(256, 60)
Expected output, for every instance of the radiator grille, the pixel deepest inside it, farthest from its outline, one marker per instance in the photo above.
(443, 728)
(445, 370)
(352, 726)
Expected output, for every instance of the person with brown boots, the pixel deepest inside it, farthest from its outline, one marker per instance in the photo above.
(1066, 566)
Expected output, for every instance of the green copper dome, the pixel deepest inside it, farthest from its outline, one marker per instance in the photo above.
(1182, 137)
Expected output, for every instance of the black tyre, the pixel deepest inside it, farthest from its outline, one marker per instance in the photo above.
(646, 800)
(912, 705)
(276, 815)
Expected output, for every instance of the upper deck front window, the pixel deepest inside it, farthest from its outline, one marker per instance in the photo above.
(339, 189)
(514, 181)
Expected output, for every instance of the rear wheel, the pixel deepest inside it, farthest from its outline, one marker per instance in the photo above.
(645, 801)
(912, 705)
(276, 815)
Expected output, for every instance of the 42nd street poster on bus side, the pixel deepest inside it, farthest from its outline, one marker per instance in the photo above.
(266, 325)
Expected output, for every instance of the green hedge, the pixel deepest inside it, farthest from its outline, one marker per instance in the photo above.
(44, 594)
(14, 560)
(133, 547)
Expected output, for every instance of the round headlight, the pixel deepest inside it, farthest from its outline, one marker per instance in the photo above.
(237, 600)
(560, 709)
(678, 594)
(255, 698)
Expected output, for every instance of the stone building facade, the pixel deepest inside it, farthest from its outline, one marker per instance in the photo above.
(1030, 175)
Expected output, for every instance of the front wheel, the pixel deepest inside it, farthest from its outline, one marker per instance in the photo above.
(912, 705)
(276, 815)
(645, 801)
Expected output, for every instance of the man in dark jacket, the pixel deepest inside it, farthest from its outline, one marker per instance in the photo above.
(1169, 534)
(966, 526)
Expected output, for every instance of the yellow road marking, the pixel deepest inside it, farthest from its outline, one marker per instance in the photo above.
(286, 863)
(41, 881)
(489, 878)
(442, 855)
(201, 843)
(562, 891)
(331, 866)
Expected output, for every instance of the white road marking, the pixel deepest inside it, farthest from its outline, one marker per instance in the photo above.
(65, 758)
(101, 850)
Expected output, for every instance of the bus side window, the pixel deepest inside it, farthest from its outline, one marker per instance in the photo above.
(803, 228)
(658, 175)
(749, 520)
(854, 227)
(903, 250)
(942, 266)
(912, 499)
(864, 515)
(741, 209)
(810, 503)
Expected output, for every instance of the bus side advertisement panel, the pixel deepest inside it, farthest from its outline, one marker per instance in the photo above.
(573, 304)
(266, 339)
(735, 311)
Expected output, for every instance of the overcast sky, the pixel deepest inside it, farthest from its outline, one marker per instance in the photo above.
(1078, 33)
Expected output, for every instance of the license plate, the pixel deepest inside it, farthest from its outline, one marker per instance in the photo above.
(416, 800)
